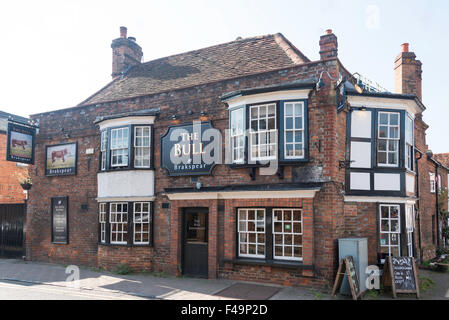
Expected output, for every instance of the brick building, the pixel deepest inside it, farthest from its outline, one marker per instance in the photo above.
(10, 172)
(303, 153)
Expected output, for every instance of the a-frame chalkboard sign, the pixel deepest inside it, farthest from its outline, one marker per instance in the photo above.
(347, 267)
(401, 275)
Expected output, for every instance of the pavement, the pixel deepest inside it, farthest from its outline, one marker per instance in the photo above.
(21, 279)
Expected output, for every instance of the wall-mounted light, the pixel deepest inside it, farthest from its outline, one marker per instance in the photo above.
(320, 84)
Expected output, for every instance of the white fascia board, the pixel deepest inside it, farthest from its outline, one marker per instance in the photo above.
(380, 199)
(125, 121)
(125, 199)
(268, 97)
(385, 103)
(280, 194)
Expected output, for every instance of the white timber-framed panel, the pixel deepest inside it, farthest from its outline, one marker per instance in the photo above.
(387, 181)
(268, 96)
(360, 181)
(360, 154)
(361, 124)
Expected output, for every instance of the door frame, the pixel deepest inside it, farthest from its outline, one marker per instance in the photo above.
(183, 233)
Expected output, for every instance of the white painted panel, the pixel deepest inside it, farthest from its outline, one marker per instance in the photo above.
(139, 183)
(410, 182)
(360, 181)
(387, 182)
(361, 124)
(360, 154)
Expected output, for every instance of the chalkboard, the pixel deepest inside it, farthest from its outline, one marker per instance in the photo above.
(347, 267)
(402, 274)
(59, 220)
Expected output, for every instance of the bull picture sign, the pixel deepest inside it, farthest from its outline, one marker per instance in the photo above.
(20, 146)
(61, 159)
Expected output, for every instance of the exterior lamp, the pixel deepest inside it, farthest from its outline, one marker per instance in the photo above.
(320, 84)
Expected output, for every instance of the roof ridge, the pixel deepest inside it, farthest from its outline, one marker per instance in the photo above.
(290, 50)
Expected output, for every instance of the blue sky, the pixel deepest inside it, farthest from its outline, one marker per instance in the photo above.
(54, 54)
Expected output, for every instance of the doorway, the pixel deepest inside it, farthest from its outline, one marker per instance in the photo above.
(195, 242)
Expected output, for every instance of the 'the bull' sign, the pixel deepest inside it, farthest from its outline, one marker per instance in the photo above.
(191, 149)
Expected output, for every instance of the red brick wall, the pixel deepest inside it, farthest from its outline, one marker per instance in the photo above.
(10, 189)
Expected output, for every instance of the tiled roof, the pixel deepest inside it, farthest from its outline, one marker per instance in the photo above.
(443, 158)
(224, 61)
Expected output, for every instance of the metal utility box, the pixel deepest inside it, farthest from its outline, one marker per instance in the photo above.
(358, 249)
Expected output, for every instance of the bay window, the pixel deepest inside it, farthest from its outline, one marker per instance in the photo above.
(126, 223)
(279, 229)
(388, 139)
(275, 128)
(126, 148)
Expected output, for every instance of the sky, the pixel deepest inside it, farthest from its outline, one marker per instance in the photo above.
(54, 54)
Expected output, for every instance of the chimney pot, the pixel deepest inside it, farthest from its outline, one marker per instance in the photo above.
(329, 31)
(404, 47)
(123, 32)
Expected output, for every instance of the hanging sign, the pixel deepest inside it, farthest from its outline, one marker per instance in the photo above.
(20, 143)
(190, 149)
(59, 220)
(401, 275)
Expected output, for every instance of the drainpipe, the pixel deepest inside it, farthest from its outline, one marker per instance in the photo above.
(419, 207)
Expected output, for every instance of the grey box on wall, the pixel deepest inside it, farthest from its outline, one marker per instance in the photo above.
(358, 249)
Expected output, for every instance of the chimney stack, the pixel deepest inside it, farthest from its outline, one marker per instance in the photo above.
(125, 53)
(328, 45)
(407, 73)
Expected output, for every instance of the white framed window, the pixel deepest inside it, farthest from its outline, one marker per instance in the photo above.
(388, 139)
(119, 147)
(439, 183)
(287, 234)
(293, 130)
(263, 132)
(238, 135)
(102, 221)
(251, 232)
(141, 218)
(390, 230)
(432, 182)
(409, 143)
(142, 135)
(103, 144)
(118, 220)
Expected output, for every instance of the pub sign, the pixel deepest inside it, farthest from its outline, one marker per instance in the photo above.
(190, 149)
(20, 143)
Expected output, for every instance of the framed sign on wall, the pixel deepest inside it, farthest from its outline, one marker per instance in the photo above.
(61, 159)
(60, 220)
(20, 146)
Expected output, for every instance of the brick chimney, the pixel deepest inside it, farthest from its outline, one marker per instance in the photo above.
(407, 73)
(328, 45)
(125, 53)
